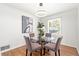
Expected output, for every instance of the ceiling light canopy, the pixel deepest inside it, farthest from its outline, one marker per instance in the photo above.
(40, 4)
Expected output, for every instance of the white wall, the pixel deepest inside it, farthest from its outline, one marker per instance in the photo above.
(69, 26)
(11, 26)
(78, 28)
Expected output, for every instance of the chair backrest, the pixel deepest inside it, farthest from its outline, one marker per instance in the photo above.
(57, 46)
(28, 43)
(48, 35)
(31, 34)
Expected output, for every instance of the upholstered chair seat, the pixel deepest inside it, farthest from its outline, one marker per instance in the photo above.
(50, 46)
(35, 46)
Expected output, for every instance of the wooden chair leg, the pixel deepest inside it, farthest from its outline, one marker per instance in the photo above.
(30, 53)
(26, 52)
(55, 53)
(59, 52)
(41, 52)
(44, 51)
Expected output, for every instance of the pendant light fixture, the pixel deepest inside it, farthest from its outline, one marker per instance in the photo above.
(41, 12)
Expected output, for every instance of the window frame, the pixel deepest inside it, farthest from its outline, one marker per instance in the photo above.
(54, 20)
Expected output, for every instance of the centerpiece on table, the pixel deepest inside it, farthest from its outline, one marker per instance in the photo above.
(40, 28)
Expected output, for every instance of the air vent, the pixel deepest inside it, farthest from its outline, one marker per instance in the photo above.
(4, 47)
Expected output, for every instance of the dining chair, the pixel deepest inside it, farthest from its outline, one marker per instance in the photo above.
(54, 46)
(32, 46)
(48, 37)
(32, 37)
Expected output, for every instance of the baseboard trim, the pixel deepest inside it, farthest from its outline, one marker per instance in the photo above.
(12, 48)
(68, 45)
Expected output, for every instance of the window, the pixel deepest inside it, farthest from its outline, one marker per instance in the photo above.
(54, 25)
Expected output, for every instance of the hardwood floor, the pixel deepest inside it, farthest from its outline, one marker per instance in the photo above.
(65, 51)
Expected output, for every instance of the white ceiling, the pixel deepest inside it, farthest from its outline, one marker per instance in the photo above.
(50, 8)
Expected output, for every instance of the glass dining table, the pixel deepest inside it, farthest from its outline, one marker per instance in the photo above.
(43, 43)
